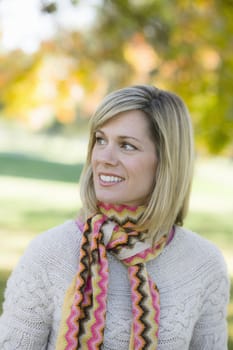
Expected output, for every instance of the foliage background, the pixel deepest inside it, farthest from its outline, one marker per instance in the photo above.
(49, 90)
(184, 46)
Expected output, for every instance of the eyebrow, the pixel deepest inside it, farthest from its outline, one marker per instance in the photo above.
(122, 137)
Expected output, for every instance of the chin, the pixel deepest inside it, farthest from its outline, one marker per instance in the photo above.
(106, 199)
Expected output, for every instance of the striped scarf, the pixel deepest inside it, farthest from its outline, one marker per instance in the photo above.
(84, 309)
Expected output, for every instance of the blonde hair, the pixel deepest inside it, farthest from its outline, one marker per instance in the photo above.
(171, 129)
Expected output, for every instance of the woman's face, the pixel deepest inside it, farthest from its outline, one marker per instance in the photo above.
(124, 160)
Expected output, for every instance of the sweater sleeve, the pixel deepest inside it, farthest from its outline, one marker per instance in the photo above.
(27, 309)
(210, 332)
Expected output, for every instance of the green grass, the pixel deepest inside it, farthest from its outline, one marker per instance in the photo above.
(216, 227)
(21, 165)
(36, 194)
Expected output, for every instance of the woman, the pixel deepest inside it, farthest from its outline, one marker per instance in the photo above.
(126, 274)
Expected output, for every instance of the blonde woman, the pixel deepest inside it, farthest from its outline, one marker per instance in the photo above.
(126, 274)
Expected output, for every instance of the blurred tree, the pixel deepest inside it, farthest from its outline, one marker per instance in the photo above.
(51, 6)
(192, 55)
(180, 45)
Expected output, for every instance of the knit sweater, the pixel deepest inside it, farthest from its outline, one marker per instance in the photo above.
(190, 274)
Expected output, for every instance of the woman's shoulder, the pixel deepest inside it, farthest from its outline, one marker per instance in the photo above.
(196, 246)
(57, 243)
(190, 253)
(189, 256)
(61, 233)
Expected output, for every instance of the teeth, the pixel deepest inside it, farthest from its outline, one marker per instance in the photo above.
(107, 178)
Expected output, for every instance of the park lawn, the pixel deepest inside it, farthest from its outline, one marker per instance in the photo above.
(30, 205)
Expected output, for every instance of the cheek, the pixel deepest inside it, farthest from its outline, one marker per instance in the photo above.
(150, 170)
(93, 158)
(143, 170)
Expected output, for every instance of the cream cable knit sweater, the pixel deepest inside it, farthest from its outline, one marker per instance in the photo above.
(190, 273)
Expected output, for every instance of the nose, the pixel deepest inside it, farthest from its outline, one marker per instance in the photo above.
(108, 155)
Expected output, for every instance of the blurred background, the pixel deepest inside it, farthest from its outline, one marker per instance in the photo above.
(59, 58)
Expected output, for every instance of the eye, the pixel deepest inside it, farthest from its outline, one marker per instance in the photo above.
(100, 140)
(128, 146)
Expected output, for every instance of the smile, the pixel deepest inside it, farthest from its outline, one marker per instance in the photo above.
(110, 178)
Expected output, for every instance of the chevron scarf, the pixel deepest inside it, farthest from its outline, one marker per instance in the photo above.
(84, 308)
